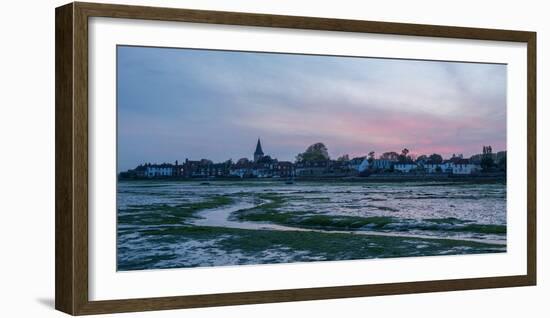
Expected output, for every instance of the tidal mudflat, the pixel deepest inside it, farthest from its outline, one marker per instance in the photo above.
(175, 224)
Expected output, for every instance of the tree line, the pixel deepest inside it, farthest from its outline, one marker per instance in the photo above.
(319, 152)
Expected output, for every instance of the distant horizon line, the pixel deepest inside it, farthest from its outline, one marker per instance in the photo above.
(412, 156)
(333, 158)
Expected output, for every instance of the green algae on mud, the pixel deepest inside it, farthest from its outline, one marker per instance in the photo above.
(161, 214)
(162, 224)
(303, 246)
(270, 211)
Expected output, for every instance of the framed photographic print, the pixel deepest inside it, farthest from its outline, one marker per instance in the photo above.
(210, 158)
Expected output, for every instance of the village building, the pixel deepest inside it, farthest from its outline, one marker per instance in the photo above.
(264, 166)
(239, 171)
(382, 164)
(258, 154)
(405, 167)
(357, 163)
(463, 166)
(365, 164)
(194, 168)
(283, 169)
(432, 167)
(456, 165)
(162, 170)
(311, 168)
(140, 171)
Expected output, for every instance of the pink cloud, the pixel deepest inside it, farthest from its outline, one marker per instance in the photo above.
(357, 134)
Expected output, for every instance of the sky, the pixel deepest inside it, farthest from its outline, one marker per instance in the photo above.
(174, 104)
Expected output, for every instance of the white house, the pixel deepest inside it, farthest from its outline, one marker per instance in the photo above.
(382, 164)
(461, 166)
(163, 170)
(364, 165)
(447, 167)
(262, 172)
(239, 172)
(379, 164)
(404, 167)
(465, 168)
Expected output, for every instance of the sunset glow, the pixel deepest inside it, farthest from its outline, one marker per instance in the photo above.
(181, 103)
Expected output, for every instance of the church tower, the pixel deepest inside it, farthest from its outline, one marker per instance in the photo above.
(258, 154)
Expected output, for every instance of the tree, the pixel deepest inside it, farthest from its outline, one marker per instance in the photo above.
(371, 157)
(487, 161)
(487, 150)
(265, 159)
(502, 164)
(404, 156)
(436, 158)
(343, 158)
(391, 155)
(315, 152)
(243, 161)
(422, 158)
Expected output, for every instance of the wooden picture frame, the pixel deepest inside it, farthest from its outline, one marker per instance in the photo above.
(71, 221)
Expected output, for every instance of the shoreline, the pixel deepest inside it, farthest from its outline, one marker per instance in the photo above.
(369, 179)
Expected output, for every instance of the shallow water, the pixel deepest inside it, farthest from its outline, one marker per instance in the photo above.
(469, 212)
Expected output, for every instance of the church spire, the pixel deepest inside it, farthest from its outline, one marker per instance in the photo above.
(258, 154)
